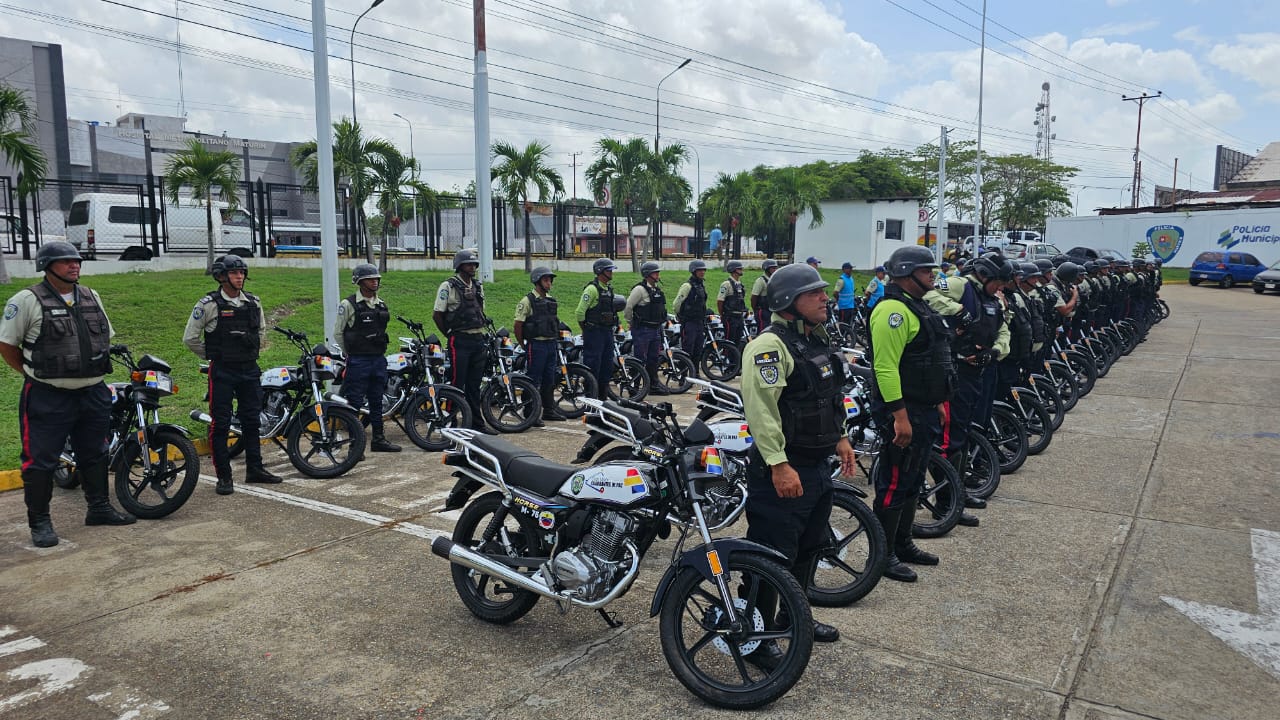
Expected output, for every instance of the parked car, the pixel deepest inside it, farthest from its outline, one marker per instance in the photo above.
(1268, 279)
(1080, 253)
(1023, 236)
(1224, 268)
(1031, 251)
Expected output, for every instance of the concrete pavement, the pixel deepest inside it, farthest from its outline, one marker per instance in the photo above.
(1093, 589)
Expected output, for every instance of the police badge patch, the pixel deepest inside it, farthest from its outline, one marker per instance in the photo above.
(10, 311)
(941, 283)
(197, 313)
(895, 320)
(769, 374)
(444, 293)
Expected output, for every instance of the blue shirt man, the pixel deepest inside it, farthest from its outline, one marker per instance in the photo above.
(875, 288)
(716, 236)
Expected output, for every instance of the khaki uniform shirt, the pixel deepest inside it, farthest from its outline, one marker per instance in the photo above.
(448, 299)
(347, 316)
(23, 318)
(639, 296)
(204, 319)
(760, 289)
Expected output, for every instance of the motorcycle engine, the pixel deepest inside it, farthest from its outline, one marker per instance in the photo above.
(588, 569)
(274, 407)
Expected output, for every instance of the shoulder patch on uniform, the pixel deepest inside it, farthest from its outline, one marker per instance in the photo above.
(444, 293)
(10, 311)
(941, 283)
(197, 313)
(768, 358)
(895, 320)
(586, 297)
(769, 374)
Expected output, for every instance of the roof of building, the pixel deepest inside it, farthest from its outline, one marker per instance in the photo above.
(1213, 200)
(1263, 169)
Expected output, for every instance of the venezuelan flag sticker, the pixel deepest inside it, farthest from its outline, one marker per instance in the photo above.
(634, 481)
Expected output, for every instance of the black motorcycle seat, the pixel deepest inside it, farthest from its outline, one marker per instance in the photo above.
(861, 371)
(643, 427)
(524, 468)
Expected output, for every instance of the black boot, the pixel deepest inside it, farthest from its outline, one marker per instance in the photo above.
(37, 491)
(259, 474)
(904, 545)
(894, 569)
(381, 444)
(225, 486)
(655, 386)
(549, 409)
(94, 481)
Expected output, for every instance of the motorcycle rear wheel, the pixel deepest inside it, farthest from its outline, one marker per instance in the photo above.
(486, 597)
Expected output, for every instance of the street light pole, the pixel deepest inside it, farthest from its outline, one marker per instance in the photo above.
(412, 155)
(368, 249)
(657, 104)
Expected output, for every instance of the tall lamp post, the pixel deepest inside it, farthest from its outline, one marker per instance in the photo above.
(657, 104)
(368, 249)
(412, 155)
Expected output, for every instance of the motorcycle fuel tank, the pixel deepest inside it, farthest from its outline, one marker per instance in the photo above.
(619, 483)
(277, 377)
(732, 436)
(397, 362)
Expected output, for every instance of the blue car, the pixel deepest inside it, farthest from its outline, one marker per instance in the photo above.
(1224, 268)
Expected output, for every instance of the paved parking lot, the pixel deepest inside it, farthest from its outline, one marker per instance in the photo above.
(1131, 571)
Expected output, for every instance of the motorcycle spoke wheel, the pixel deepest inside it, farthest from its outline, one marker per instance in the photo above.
(674, 373)
(424, 419)
(710, 659)
(329, 453)
(512, 413)
(1036, 419)
(853, 562)
(1009, 438)
(488, 598)
(940, 502)
(155, 493)
(982, 467)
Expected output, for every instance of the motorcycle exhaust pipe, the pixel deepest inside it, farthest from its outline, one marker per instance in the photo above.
(454, 553)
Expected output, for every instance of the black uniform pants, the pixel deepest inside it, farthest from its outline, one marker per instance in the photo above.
(692, 337)
(241, 382)
(47, 418)
(468, 357)
(598, 355)
(900, 473)
(962, 410)
(366, 380)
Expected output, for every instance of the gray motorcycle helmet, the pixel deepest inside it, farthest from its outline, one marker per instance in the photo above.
(540, 272)
(790, 282)
(603, 265)
(769, 264)
(56, 250)
(226, 264)
(697, 265)
(1030, 270)
(1068, 272)
(649, 268)
(364, 271)
(733, 266)
(906, 260)
(465, 257)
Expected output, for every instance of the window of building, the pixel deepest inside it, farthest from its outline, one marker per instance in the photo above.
(892, 229)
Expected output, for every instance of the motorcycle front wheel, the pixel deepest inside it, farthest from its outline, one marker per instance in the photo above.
(722, 362)
(175, 470)
(674, 372)
(424, 418)
(478, 529)
(853, 562)
(941, 500)
(630, 381)
(513, 414)
(710, 659)
(326, 455)
(575, 384)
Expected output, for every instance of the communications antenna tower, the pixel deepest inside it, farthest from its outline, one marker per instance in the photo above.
(1044, 126)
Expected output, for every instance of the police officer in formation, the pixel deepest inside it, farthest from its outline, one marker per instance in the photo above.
(760, 294)
(792, 392)
(846, 293)
(597, 313)
(537, 328)
(459, 313)
(911, 355)
(57, 335)
(361, 332)
(226, 328)
(691, 309)
(646, 314)
(731, 301)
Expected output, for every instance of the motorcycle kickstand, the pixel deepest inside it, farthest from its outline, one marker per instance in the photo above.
(610, 619)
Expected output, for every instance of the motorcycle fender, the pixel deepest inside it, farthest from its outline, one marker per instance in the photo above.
(696, 560)
(308, 413)
(462, 491)
(154, 427)
(1003, 404)
(842, 485)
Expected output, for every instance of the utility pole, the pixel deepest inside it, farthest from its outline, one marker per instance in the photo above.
(1137, 144)
(480, 111)
(574, 227)
(942, 198)
(575, 155)
(977, 200)
(1174, 199)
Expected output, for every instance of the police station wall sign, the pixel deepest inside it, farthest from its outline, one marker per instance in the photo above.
(1165, 241)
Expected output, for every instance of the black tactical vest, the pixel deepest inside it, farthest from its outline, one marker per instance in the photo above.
(542, 321)
(694, 307)
(74, 341)
(1035, 310)
(469, 314)
(735, 302)
(1019, 329)
(238, 334)
(813, 394)
(926, 370)
(367, 333)
(654, 313)
(984, 328)
(602, 313)
(1049, 309)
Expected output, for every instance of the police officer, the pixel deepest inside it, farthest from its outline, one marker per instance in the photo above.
(1012, 367)
(226, 328)
(459, 313)
(1030, 296)
(759, 294)
(58, 336)
(731, 301)
(537, 328)
(646, 313)
(846, 294)
(361, 332)
(914, 374)
(691, 309)
(597, 313)
(792, 393)
(875, 288)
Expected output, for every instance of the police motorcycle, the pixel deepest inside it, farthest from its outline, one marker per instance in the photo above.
(154, 482)
(718, 360)
(509, 401)
(578, 536)
(417, 391)
(323, 436)
(675, 366)
(574, 380)
(630, 381)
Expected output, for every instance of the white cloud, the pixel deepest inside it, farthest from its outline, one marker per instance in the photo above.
(1254, 57)
(1121, 29)
(1193, 35)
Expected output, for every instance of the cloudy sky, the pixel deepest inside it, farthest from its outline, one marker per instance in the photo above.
(772, 82)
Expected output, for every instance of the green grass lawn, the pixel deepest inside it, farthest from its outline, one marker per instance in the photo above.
(149, 312)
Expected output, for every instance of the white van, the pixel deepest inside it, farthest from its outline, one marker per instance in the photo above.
(1022, 236)
(108, 223)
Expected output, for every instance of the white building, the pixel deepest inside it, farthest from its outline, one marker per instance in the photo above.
(862, 232)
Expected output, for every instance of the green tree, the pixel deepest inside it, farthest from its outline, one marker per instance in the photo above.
(731, 197)
(353, 158)
(620, 167)
(516, 172)
(664, 186)
(1027, 190)
(788, 194)
(206, 172)
(393, 177)
(19, 146)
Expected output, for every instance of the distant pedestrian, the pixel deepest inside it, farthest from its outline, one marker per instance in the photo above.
(846, 294)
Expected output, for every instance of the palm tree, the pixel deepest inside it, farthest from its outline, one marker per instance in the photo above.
(353, 156)
(733, 196)
(620, 166)
(390, 176)
(664, 185)
(206, 172)
(517, 171)
(789, 194)
(18, 145)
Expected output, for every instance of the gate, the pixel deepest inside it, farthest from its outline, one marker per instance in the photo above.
(134, 222)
